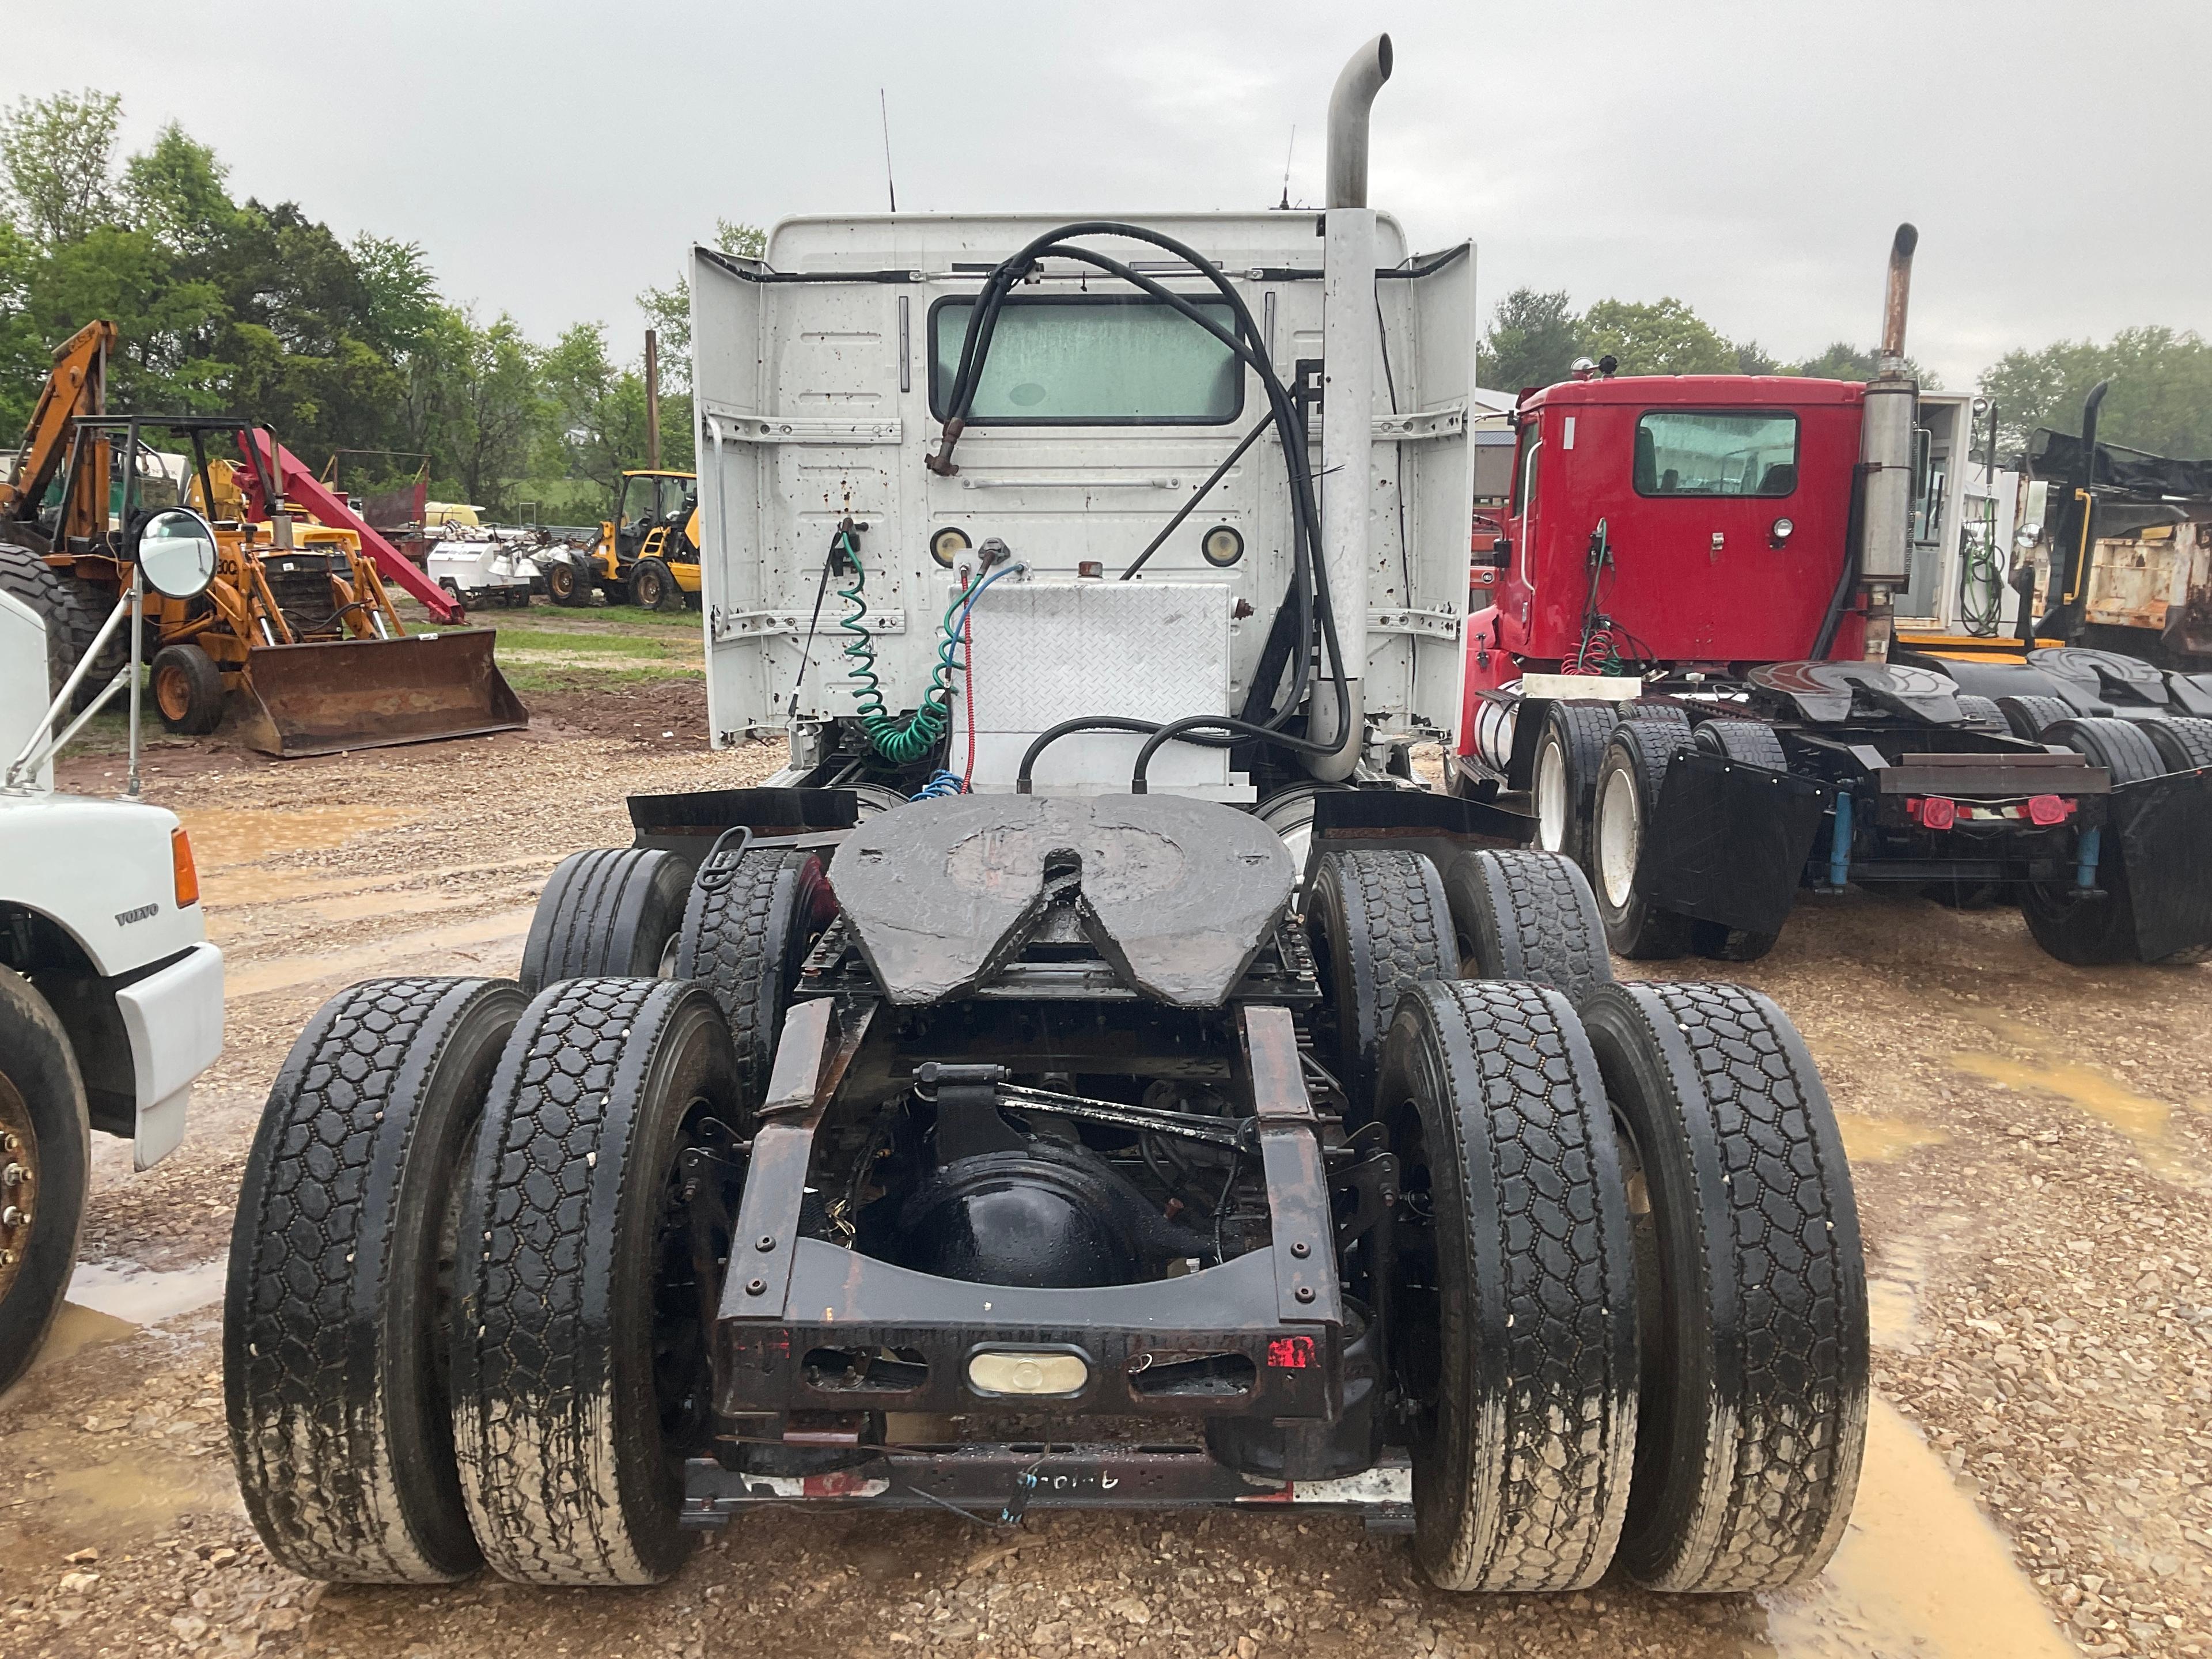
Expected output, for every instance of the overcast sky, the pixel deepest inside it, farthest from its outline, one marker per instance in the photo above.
(1750, 159)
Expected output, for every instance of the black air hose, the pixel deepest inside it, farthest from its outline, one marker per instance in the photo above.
(1308, 593)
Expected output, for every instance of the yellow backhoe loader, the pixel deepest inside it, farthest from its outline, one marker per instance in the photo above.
(298, 625)
(647, 556)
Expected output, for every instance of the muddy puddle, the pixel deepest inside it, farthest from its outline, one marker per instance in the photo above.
(224, 836)
(1882, 1139)
(2052, 1072)
(482, 945)
(1897, 1274)
(129, 1293)
(1920, 1574)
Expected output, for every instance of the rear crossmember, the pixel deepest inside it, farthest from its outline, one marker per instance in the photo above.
(998, 1482)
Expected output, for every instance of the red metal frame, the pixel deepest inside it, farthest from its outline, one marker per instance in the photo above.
(298, 484)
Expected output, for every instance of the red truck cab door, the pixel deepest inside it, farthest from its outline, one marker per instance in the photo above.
(1726, 503)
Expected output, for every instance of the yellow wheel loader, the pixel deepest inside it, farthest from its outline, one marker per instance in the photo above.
(298, 625)
(647, 556)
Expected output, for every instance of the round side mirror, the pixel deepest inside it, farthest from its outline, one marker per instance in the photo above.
(177, 551)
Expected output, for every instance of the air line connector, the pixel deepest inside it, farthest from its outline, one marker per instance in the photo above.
(941, 463)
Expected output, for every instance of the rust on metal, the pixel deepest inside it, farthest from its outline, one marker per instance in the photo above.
(1289, 1159)
(324, 696)
(815, 1050)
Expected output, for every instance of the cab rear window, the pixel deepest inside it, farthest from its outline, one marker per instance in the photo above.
(1702, 451)
(1090, 360)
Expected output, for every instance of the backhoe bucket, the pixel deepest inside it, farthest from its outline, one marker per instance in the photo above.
(325, 696)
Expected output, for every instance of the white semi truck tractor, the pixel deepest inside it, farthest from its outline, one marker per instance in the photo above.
(1098, 1021)
(111, 996)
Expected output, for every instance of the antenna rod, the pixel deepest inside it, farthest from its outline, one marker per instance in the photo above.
(1287, 155)
(883, 104)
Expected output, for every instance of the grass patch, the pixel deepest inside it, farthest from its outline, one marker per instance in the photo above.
(631, 615)
(577, 642)
(533, 677)
(539, 614)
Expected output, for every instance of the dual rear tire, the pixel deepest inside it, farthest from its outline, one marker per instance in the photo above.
(461, 1324)
(1628, 1307)
(1629, 1317)
(467, 1312)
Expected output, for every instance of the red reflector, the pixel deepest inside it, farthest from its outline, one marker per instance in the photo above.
(1938, 812)
(2048, 809)
(1291, 1353)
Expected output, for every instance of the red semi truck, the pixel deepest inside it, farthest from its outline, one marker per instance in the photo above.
(1687, 671)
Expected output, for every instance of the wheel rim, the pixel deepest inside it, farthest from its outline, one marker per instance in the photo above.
(1552, 800)
(1619, 838)
(172, 695)
(646, 585)
(19, 1183)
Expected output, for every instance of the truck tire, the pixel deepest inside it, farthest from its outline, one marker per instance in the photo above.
(337, 1312)
(1751, 1288)
(29, 578)
(611, 912)
(2092, 932)
(1524, 916)
(46, 1139)
(1564, 778)
(1628, 783)
(653, 586)
(1513, 1315)
(1751, 743)
(1657, 713)
(1981, 712)
(2184, 744)
(580, 1378)
(743, 939)
(2029, 716)
(188, 691)
(1379, 924)
(566, 584)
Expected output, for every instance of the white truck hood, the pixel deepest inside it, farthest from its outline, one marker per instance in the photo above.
(103, 869)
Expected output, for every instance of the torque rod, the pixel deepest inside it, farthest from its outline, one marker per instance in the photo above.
(1191, 1126)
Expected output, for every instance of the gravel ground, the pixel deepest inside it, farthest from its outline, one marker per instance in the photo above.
(2033, 1146)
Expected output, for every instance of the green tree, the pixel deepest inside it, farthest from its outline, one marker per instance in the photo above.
(1752, 358)
(1663, 337)
(401, 294)
(487, 412)
(175, 191)
(668, 310)
(2160, 399)
(1843, 360)
(600, 407)
(56, 155)
(1534, 339)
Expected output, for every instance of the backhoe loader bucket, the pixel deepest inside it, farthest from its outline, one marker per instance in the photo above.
(324, 696)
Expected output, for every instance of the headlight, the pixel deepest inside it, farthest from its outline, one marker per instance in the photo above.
(1223, 545)
(1781, 531)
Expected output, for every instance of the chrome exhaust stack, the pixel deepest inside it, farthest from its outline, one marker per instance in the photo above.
(1885, 549)
(1347, 434)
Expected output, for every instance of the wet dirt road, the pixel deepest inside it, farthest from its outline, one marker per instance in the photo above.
(2033, 1146)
